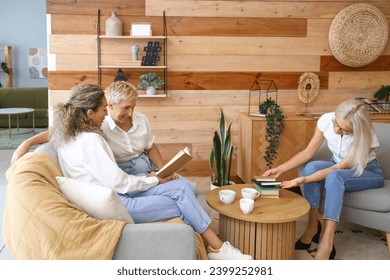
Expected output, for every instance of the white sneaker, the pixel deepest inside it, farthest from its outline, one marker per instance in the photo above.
(227, 252)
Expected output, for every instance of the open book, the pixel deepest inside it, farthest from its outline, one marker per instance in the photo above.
(181, 158)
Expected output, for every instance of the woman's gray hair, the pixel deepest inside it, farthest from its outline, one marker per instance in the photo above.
(358, 118)
(116, 92)
(70, 119)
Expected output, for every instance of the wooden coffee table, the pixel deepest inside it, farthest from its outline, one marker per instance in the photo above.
(268, 232)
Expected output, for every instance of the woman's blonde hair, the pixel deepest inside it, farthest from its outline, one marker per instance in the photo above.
(70, 119)
(358, 118)
(116, 92)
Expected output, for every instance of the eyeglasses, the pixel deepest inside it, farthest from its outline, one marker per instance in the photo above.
(342, 130)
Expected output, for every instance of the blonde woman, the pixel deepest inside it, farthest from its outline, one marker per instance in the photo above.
(353, 167)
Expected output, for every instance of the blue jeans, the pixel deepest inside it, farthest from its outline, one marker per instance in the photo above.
(164, 201)
(336, 183)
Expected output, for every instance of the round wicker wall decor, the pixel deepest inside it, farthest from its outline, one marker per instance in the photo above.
(358, 35)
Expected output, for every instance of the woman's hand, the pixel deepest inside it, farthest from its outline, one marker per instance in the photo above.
(274, 172)
(163, 180)
(293, 183)
(20, 151)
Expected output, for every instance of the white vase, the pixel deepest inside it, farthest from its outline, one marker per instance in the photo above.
(150, 90)
(114, 25)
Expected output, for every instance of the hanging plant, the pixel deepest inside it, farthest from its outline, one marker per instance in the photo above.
(275, 125)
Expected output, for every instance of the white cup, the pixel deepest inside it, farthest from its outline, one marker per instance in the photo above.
(246, 205)
(249, 193)
(227, 196)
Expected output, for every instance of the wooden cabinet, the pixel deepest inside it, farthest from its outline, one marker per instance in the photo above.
(252, 143)
(110, 60)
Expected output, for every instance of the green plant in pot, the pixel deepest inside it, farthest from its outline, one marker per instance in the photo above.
(383, 93)
(150, 81)
(4, 67)
(221, 154)
(275, 125)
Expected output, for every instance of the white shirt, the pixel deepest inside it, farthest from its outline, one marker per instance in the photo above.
(89, 158)
(127, 145)
(339, 145)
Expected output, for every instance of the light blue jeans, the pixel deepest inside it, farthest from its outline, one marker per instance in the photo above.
(164, 201)
(336, 183)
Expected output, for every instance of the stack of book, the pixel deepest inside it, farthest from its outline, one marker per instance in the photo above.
(267, 186)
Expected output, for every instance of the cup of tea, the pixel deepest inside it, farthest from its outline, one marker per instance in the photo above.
(246, 205)
(249, 193)
(227, 196)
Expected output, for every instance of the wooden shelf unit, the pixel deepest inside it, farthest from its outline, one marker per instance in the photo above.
(162, 68)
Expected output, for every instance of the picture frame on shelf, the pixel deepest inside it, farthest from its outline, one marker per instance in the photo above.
(141, 29)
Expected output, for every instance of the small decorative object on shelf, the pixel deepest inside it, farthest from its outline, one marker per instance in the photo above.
(119, 76)
(260, 91)
(141, 29)
(151, 53)
(383, 93)
(134, 52)
(150, 81)
(221, 154)
(114, 25)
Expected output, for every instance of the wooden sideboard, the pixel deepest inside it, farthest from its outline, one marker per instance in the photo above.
(252, 143)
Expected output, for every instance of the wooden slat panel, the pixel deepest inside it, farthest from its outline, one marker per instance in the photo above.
(189, 81)
(362, 80)
(244, 63)
(87, 7)
(191, 45)
(329, 63)
(234, 26)
(268, 9)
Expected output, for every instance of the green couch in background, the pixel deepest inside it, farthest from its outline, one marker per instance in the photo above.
(36, 98)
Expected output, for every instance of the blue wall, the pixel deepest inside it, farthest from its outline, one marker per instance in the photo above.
(22, 26)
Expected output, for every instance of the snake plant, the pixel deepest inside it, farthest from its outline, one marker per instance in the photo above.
(221, 154)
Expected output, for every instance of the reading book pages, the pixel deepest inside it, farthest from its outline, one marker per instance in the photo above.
(181, 158)
(265, 178)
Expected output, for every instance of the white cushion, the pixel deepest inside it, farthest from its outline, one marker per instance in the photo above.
(96, 200)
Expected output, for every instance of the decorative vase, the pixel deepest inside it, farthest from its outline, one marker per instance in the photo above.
(114, 25)
(150, 90)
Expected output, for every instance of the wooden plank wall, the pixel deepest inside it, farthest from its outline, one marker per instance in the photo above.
(216, 49)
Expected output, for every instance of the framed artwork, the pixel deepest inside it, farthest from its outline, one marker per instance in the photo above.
(141, 29)
(37, 63)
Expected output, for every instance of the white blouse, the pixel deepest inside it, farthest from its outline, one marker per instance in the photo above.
(89, 158)
(127, 145)
(339, 145)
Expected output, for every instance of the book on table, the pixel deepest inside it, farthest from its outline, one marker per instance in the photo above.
(181, 158)
(265, 178)
(266, 191)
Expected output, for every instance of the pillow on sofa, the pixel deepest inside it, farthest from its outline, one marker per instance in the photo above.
(97, 201)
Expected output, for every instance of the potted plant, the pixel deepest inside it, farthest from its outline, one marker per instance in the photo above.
(150, 81)
(274, 128)
(221, 154)
(4, 67)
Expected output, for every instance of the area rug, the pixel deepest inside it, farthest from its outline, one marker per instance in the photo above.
(17, 137)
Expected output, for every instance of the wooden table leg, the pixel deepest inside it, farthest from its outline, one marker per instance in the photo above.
(262, 241)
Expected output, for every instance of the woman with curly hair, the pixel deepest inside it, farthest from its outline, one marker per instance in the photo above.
(85, 155)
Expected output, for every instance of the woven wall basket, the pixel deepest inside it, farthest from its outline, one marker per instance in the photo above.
(358, 35)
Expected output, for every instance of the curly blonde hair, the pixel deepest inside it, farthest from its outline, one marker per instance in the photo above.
(70, 119)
